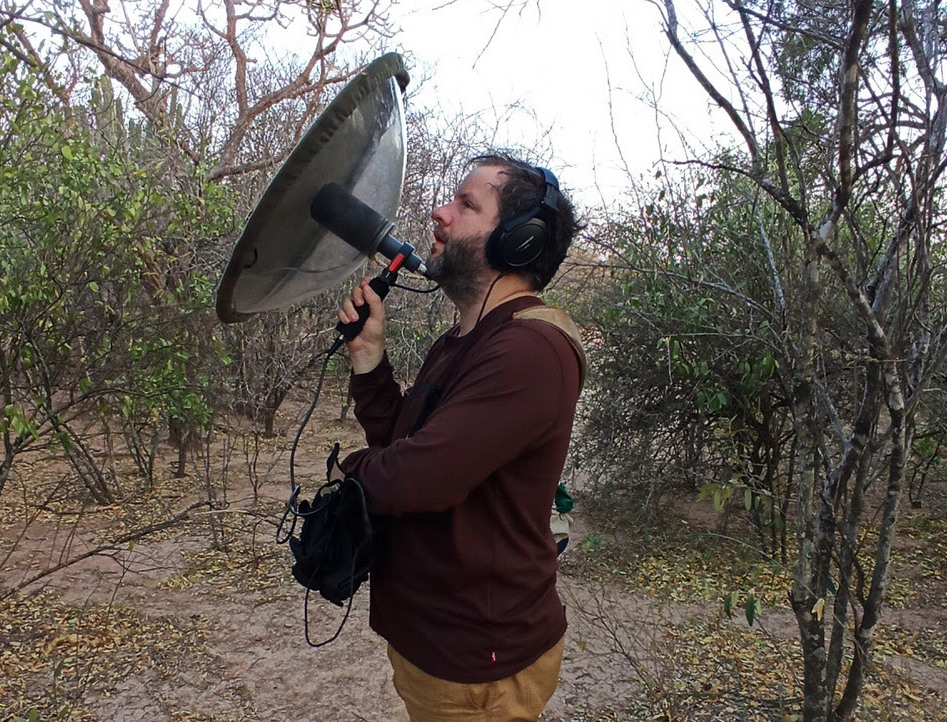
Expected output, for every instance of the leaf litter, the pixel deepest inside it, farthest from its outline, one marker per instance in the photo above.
(61, 659)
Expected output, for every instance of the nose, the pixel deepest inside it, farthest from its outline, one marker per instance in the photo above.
(439, 215)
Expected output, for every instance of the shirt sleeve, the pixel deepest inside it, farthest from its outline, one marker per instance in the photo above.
(378, 400)
(509, 394)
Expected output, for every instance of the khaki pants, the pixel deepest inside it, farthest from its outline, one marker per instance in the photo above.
(519, 698)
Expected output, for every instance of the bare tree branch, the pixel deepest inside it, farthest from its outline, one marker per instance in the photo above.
(111, 546)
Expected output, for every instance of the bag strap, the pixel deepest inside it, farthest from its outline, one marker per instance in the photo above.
(561, 320)
(548, 314)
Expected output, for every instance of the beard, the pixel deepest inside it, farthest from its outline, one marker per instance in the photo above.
(460, 269)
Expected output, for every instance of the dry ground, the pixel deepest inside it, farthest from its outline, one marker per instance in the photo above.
(174, 627)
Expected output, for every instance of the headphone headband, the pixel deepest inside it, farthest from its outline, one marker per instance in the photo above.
(550, 202)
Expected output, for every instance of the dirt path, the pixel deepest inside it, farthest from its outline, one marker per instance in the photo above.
(171, 629)
(204, 636)
(208, 636)
(243, 653)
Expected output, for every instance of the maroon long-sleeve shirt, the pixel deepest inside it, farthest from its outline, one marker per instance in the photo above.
(466, 587)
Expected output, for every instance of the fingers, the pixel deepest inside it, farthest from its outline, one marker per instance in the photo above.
(368, 293)
(367, 349)
(348, 312)
(362, 294)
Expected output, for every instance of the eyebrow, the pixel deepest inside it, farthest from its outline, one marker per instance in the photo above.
(467, 196)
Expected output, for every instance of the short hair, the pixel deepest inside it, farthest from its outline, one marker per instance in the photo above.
(524, 190)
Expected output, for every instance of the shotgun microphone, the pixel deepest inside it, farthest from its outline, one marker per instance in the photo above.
(361, 226)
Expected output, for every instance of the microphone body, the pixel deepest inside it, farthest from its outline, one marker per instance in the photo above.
(361, 226)
(368, 232)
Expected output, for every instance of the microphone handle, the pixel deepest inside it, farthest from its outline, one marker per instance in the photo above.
(351, 329)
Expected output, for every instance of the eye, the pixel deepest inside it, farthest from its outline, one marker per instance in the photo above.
(465, 201)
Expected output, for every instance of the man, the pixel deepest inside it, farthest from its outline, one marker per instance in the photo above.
(465, 466)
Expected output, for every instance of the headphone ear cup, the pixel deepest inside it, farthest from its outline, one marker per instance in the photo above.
(516, 243)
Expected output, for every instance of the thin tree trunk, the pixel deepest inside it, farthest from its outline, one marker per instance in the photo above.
(864, 634)
(808, 587)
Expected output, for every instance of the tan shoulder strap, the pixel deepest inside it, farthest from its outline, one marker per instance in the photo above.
(561, 320)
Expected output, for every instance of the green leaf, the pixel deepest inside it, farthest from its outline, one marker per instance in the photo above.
(729, 602)
(19, 423)
(752, 609)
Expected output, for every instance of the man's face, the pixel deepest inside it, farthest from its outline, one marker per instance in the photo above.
(457, 261)
(474, 211)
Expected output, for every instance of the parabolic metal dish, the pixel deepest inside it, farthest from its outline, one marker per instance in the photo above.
(283, 257)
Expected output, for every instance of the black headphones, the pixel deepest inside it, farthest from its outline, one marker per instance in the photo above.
(519, 241)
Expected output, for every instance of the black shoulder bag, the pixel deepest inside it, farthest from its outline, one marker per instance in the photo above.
(337, 545)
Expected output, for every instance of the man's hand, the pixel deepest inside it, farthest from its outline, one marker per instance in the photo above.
(367, 349)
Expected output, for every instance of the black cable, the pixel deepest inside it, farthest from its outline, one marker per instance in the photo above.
(347, 331)
(348, 605)
(416, 290)
(292, 506)
(487, 297)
